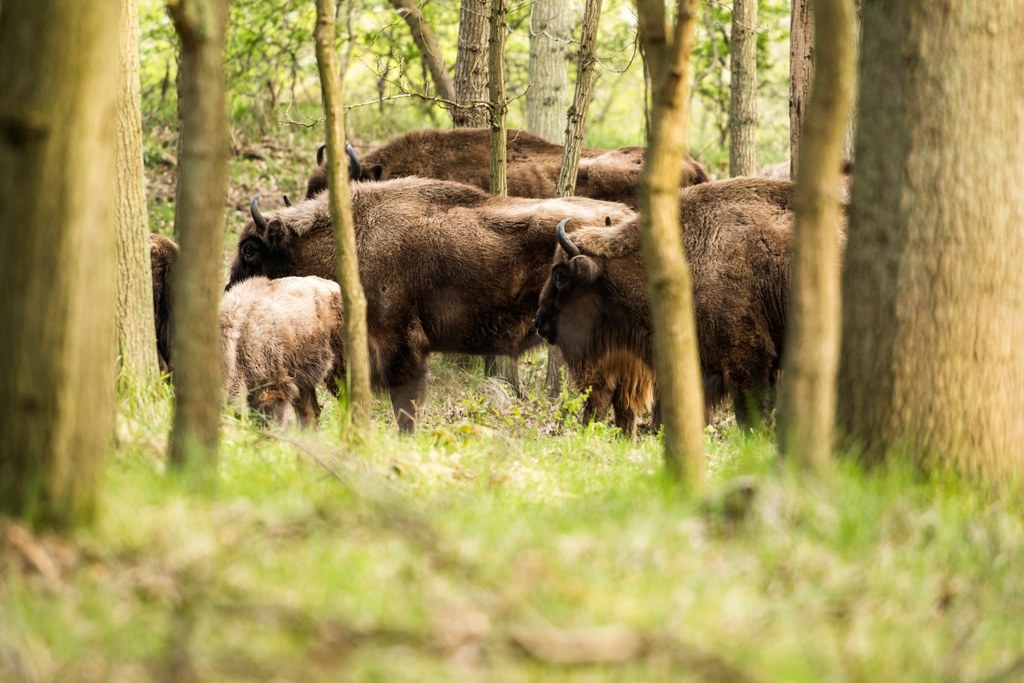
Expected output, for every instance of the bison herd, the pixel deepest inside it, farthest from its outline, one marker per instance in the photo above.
(447, 267)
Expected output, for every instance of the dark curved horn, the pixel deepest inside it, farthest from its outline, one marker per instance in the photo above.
(287, 202)
(320, 155)
(355, 171)
(257, 217)
(567, 246)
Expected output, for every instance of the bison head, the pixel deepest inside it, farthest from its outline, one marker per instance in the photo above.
(262, 248)
(570, 299)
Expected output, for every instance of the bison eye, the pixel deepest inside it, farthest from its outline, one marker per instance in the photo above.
(560, 279)
(249, 251)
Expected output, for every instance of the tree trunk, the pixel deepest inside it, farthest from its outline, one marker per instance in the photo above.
(357, 354)
(199, 225)
(801, 60)
(548, 95)
(932, 364)
(849, 136)
(136, 336)
(471, 65)
(424, 38)
(668, 274)
(811, 359)
(505, 367)
(575, 131)
(743, 89)
(59, 72)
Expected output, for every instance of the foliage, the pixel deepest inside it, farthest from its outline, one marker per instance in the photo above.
(438, 557)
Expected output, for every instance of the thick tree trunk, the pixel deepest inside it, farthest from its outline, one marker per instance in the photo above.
(357, 354)
(743, 89)
(668, 274)
(932, 364)
(548, 95)
(808, 398)
(424, 38)
(59, 72)
(199, 225)
(136, 335)
(575, 131)
(471, 65)
(801, 60)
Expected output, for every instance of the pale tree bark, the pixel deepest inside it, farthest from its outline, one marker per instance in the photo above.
(668, 274)
(801, 60)
(548, 95)
(136, 336)
(199, 225)
(849, 136)
(932, 363)
(59, 72)
(743, 89)
(806, 412)
(575, 131)
(471, 64)
(424, 38)
(357, 354)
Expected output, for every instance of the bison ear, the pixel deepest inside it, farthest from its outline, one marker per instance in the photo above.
(584, 269)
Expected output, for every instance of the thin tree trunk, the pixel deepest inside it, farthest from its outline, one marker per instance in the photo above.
(548, 95)
(668, 274)
(851, 128)
(575, 131)
(471, 65)
(932, 363)
(505, 367)
(199, 224)
(743, 89)
(136, 336)
(357, 354)
(59, 72)
(424, 38)
(808, 398)
(801, 61)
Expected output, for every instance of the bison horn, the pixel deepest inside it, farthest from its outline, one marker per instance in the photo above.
(355, 171)
(563, 239)
(320, 155)
(287, 202)
(257, 217)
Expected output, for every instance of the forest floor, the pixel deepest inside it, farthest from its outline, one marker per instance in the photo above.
(506, 542)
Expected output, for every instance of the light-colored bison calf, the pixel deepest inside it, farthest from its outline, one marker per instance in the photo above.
(280, 339)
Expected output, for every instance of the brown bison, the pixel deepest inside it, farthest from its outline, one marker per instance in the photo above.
(163, 254)
(446, 267)
(461, 155)
(280, 339)
(594, 306)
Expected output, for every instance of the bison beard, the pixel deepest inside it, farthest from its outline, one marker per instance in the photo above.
(462, 154)
(594, 306)
(445, 268)
(163, 254)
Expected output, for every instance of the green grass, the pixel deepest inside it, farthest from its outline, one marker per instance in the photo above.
(495, 545)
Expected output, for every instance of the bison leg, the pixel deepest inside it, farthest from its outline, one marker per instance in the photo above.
(625, 419)
(406, 400)
(307, 408)
(597, 403)
(752, 405)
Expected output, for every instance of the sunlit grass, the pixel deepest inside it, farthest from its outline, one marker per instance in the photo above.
(323, 557)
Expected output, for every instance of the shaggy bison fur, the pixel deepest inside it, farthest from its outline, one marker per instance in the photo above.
(462, 155)
(163, 254)
(280, 339)
(445, 267)
(737, 235)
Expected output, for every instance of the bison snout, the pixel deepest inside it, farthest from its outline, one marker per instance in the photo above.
(546, 328)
